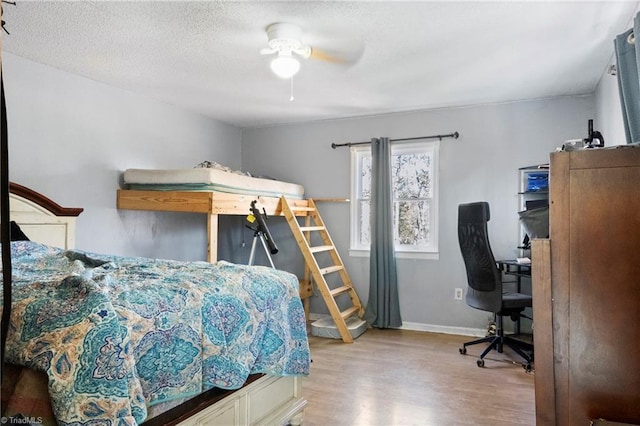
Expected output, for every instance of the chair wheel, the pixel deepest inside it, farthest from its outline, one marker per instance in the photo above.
(480, 363)
(463, 350)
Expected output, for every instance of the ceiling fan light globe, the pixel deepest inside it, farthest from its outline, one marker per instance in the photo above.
(285, 66)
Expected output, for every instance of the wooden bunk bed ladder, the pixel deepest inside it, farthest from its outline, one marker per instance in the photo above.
(308, 236)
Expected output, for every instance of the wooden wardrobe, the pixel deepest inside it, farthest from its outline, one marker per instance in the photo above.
(586, 290)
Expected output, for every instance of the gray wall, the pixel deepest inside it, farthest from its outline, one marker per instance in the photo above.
(482, 164)
(608, 118)
(71, 138)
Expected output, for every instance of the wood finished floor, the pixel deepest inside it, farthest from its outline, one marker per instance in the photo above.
(398, 377)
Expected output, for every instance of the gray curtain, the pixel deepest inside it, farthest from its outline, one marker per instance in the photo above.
(383, 307)
(626, 47)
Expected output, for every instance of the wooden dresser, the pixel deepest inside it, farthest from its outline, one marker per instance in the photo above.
(586, 290)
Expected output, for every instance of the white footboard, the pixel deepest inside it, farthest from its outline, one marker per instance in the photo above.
(267, 401)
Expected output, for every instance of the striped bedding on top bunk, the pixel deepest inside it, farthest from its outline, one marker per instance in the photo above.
(209, 179)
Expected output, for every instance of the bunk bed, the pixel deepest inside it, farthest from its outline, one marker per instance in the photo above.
(211, 191)
(264, 391)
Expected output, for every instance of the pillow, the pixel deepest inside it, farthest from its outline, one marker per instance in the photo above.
(16, 233)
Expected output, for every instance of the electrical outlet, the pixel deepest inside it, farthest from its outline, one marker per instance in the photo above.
(457, 294)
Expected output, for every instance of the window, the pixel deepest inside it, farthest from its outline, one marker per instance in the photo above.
(414, 169)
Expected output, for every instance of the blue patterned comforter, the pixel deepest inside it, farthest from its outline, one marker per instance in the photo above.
(118, 334)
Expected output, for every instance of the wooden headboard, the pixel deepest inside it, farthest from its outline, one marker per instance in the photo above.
(41, 219)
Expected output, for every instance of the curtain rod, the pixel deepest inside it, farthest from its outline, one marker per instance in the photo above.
(453, 135)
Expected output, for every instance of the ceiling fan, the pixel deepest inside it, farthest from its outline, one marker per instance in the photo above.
(285, 40)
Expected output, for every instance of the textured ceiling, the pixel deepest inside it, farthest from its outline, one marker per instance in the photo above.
(204, 55)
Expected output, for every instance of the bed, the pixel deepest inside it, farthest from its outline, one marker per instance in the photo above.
(213, 191)
(149, 342)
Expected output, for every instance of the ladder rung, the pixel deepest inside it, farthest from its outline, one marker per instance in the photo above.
(317, 249)
(349, 312)
(330, 269)
(302, 209)
(311, 228)
(339, 290)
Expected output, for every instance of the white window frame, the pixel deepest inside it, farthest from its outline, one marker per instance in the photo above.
(424, 252)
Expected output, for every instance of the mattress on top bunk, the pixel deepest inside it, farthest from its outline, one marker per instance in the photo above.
(209, 179)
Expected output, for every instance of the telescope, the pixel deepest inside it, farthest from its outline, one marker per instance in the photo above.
(261, 219)
(261, 231)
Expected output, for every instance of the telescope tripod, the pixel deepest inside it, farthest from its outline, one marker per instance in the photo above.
(257, 234)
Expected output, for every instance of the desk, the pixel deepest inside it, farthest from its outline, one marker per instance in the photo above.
(519, 270)
(513, 267)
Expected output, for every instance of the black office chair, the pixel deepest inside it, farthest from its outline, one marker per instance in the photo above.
(485, 283)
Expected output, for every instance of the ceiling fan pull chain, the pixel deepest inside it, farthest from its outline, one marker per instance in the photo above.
(291, 99)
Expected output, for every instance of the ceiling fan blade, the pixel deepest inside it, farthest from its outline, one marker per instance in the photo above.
(337, 56)
(286, 38)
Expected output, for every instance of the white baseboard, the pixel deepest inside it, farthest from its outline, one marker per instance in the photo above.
(446, 329)
(431, 328)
